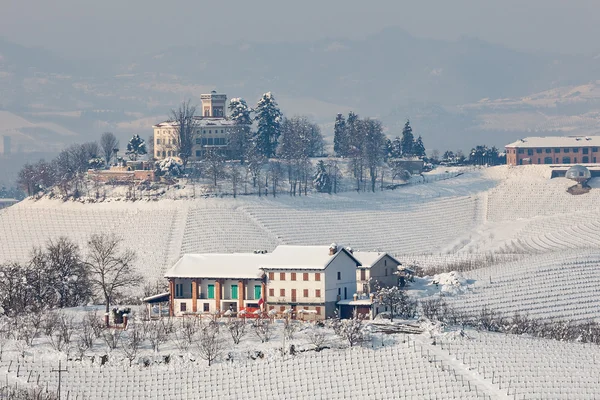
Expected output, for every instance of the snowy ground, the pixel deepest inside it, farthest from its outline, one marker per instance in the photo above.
(520, 242)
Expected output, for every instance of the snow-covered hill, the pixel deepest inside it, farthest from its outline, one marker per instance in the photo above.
(494, 210)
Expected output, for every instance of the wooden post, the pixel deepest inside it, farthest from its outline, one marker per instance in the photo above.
(194, 295)
(218, 295)
(172, 297)
(241, 294)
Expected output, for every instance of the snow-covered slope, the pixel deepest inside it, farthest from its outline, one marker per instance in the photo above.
(494, 210)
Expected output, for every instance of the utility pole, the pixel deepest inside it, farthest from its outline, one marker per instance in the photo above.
(60, 371)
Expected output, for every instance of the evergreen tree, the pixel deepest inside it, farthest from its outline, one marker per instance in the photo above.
(340, 139)
(136, 147)
(396, 151)
(322, 180)
(239, 136)
(407, 140)
(419, 148)
(388, 149)
(268, 117)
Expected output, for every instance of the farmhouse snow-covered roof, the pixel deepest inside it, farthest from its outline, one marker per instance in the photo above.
(369, 258)
(556, 141)
(303, 257)
(237, 265)
(249, 265)
(202, 122)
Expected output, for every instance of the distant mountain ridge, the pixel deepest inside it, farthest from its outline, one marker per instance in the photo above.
(390, 75)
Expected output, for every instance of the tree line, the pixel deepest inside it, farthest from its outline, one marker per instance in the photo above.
(61, 275)
(68, 170)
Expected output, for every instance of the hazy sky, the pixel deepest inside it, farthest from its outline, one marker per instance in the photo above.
(119, 27)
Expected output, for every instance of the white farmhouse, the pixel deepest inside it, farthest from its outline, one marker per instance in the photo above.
(308, 280)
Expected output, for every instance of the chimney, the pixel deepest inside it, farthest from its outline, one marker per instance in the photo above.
(333, 248)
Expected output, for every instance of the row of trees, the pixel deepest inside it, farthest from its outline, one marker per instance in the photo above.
(436, 309)
(60, 275)
(348, 135)
(67, 171)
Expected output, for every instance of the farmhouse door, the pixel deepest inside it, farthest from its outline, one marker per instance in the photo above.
(234, 292)
(257, 292)
(211, 291)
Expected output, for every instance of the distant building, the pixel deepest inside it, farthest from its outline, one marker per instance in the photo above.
(6, 143)
(554, 150)
(212, 131)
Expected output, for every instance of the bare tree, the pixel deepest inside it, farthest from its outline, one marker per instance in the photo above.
(60, 338)
(186, 126)
(112, 338)
(214, 165)
(110, 268)
(235, 175)
(276, 172)
(132, 343)
(68, 276)
(262, 329)
(317, 337)
(210, 344)
(156, 333)
(289, 328)
(108, 144)
(237, 329)
(92, 320)
(352, 331)
(396, 300)
(185, 335)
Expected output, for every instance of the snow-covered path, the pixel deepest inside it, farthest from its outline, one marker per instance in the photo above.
(469, 376)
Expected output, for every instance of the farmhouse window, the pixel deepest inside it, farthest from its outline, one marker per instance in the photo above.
(272, 292)
(293, 276)
(182, 307)
(318, 293)
(282, 276)
(282, 292)
(339, 276)
(206, 307)
(585, 150)
(305, 276)
(317, 276)
(271, 276)
(305, 292)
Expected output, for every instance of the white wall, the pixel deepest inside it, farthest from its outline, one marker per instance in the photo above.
(299, 284)
(347, 267)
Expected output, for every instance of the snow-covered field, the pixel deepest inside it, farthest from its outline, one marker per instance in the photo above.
(524, 244)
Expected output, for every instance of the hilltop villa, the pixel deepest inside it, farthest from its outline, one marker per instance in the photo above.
(212, 130)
